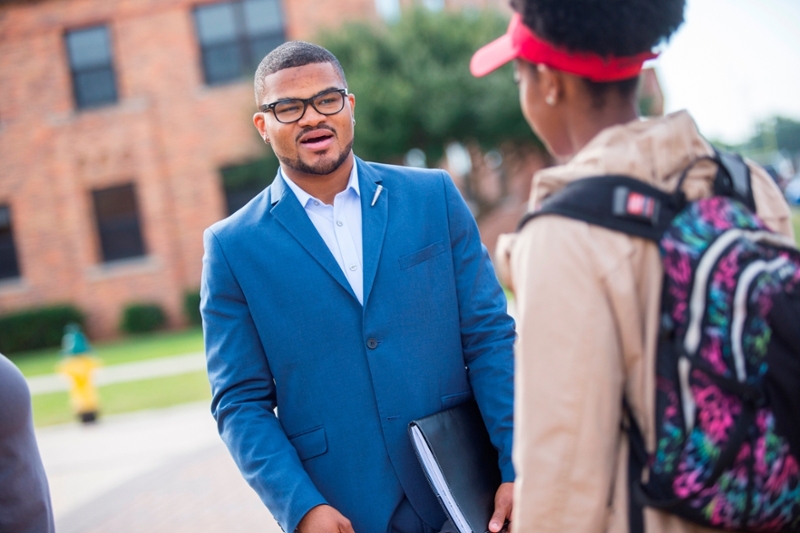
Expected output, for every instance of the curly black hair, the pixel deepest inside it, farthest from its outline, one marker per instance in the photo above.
(292, 54)
(604, 27)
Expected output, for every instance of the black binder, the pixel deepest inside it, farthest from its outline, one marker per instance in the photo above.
(460, 463)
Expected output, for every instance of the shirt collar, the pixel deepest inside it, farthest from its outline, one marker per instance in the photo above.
(304, 197)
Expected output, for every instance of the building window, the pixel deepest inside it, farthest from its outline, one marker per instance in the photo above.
(9, 267)
(91, 64)
(242, 182)
(235, 36)
(118, 222)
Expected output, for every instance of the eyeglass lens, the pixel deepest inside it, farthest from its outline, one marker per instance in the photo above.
(328, 103)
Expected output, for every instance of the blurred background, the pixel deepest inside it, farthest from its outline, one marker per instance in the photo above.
(125, 130)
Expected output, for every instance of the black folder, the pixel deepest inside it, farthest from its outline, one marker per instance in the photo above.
(460, 463)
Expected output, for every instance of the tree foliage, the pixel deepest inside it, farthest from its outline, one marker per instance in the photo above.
(776, 134)
(785, 132)
(414, 90)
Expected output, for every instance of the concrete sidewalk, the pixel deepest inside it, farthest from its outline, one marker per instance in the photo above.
(152, 471)
(151, 368)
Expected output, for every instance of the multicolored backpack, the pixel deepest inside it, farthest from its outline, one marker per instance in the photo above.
(728, 362)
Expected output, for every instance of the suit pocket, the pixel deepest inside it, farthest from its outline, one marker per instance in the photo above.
(310, 443)
(407, 261)
(451, 400)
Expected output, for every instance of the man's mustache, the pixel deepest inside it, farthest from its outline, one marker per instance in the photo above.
(318, 128)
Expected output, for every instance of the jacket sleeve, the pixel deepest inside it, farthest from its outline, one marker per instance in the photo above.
(487, 332)
(243, 395)
(569, 379)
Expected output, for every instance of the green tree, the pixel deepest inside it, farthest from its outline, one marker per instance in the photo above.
(787, 134)
(776, 134)
(414, 90)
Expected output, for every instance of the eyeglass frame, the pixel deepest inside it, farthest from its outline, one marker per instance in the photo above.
(306, 101)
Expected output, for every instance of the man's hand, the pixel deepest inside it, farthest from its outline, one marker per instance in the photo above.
(324, 519)
(503, 503)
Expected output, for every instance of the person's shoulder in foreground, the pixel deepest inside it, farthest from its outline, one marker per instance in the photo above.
(351, 298)
(24, 493)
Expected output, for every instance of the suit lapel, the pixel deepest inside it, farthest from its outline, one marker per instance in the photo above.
(373, 222)
(291, 215)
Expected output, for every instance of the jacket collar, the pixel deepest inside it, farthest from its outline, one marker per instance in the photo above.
(287, 211)
(374, 219)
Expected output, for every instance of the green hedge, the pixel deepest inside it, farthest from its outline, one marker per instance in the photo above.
(142, 318)
(36, 328)
(191, 307)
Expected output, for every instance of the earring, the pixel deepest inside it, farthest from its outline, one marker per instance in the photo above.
(354, 122)
(266, 141)
(550, 100)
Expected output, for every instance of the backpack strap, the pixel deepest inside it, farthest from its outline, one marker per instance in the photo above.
(637, 459)
(615, 202)
(631, 206)
(733, 179)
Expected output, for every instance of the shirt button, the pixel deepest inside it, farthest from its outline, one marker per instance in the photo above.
(339, 223)
(353, 267)
(316, 202)
(372, 343)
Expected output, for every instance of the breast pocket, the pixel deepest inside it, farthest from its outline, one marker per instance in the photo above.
(451, 400)
(425, 254)
(310, 443)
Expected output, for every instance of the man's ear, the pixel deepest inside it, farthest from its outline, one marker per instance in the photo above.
(260, 122)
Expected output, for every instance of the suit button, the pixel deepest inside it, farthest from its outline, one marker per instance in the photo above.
(372, 344)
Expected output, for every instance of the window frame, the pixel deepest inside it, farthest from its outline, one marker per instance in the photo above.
(78, 97)
(16, 272)
(243, 41)
(105, 234)
(243, 181)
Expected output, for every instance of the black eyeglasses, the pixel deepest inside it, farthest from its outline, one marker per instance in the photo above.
(327, 102)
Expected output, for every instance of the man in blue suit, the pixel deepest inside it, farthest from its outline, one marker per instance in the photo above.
(344, 301)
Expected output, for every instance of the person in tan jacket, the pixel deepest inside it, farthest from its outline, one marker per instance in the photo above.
(587, 298)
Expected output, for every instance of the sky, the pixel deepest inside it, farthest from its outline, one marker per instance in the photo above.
(732, 64)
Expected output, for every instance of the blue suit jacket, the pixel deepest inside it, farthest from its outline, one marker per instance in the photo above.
(283, 330)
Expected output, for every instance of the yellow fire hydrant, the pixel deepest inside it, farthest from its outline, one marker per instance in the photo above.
(79, 366)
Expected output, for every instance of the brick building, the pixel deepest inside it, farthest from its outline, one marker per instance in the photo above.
(118, 121)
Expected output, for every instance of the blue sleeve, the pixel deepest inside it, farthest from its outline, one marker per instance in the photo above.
(487, 332)
(243, 395)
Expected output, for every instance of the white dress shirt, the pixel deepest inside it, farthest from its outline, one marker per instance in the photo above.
(339, 225)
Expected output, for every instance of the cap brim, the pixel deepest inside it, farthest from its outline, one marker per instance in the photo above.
(493, 56)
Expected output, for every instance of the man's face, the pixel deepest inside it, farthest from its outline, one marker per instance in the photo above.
(316, 144)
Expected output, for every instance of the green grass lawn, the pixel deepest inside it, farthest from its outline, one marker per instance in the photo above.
(796, 223)
(124, 350)
(118, 398)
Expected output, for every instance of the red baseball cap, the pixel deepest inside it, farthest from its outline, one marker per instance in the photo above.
(520, 41)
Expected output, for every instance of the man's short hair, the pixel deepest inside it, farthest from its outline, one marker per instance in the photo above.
(292, 54)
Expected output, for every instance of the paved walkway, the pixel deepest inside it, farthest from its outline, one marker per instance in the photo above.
(148, 472)
(151, 368)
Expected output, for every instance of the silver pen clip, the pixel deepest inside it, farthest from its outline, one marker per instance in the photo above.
(375, 196)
